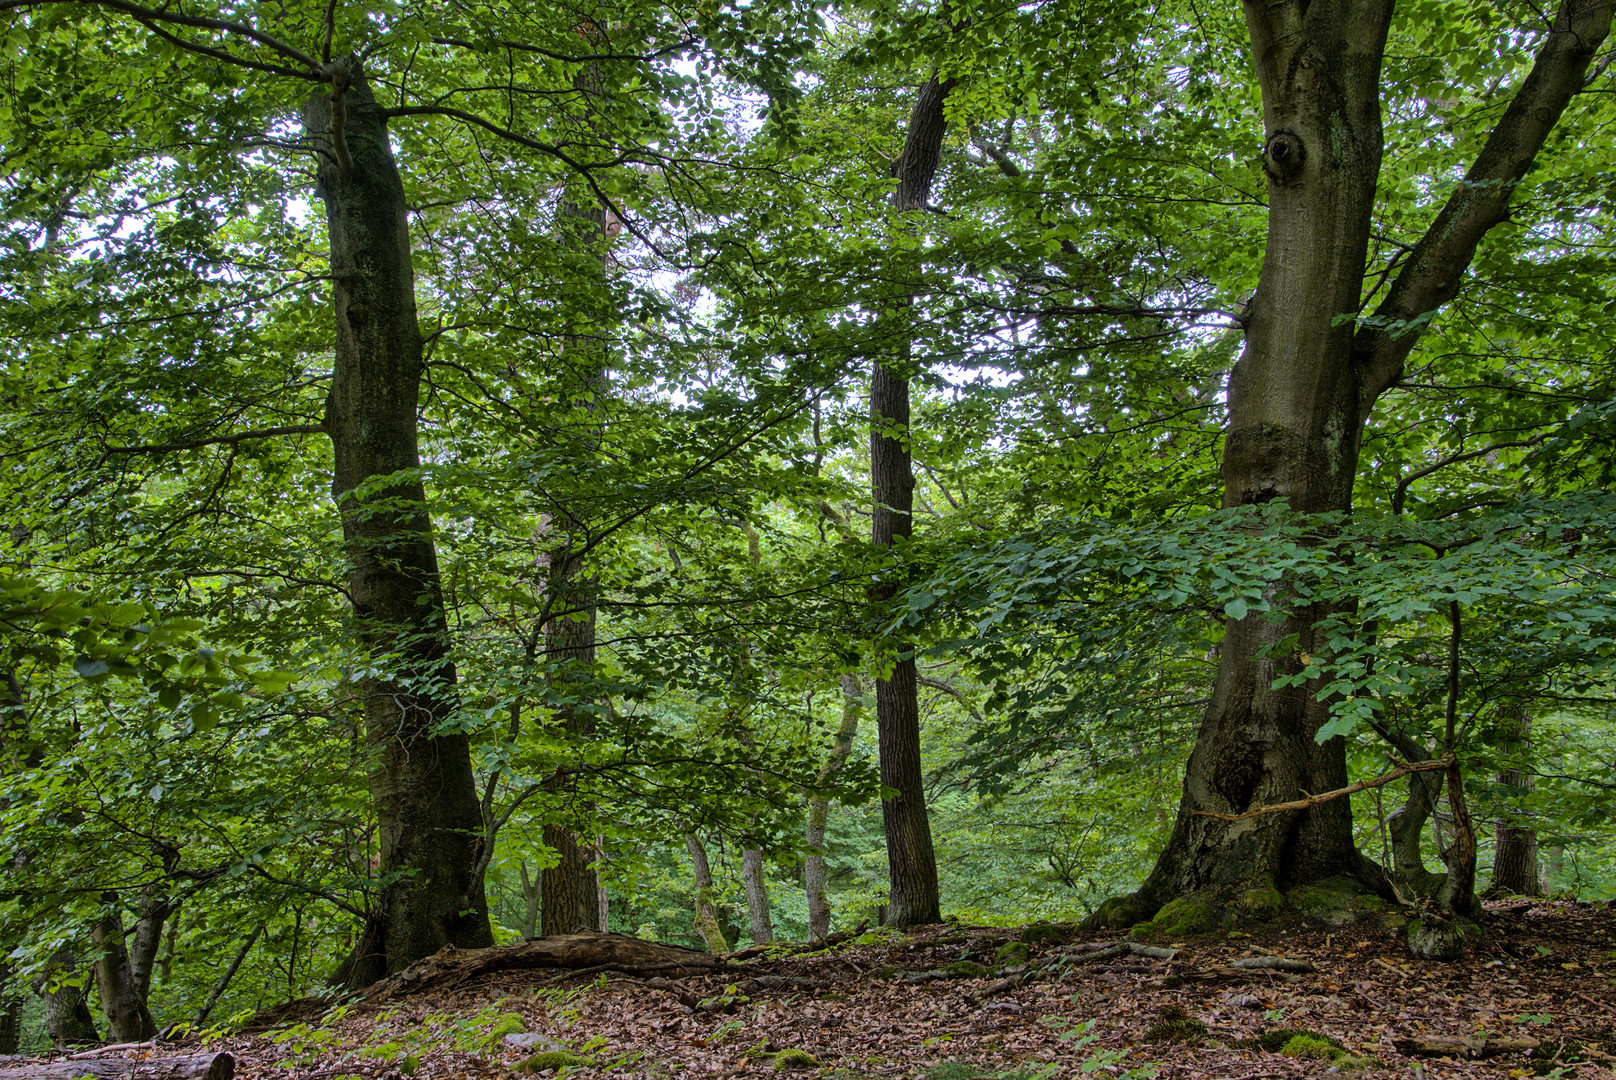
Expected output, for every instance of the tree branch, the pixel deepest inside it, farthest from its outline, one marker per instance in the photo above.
(1402, 770)
(219, 440)
(1432, 273)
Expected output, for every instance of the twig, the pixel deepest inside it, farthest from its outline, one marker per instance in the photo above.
(1402, 770)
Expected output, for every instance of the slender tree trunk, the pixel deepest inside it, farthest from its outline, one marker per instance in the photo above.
(530, 898)
(759, 924)
(1515, 862)
(819, 809)
(911, 861)
(121, 1000)
(571, 887)
(425, 795)
(706, 914)
(1298, 400)
(601, 892)
(223, 984)
(154, 914)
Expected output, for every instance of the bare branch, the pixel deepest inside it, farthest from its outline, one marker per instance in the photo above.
(1402, 770)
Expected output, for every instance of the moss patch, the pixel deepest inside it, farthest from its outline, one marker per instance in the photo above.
(969, 969)
(1260, 903)
(1335, 901)
(1175, 1026)
(1275, 1041)
(786, 1060)
(546, 1060)
(1193, 914)
(1038, 933)
(1449, 939)
(1117, 913)
(1012, 953)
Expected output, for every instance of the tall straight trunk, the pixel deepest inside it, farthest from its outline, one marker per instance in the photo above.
(10, 1017)
(706, 914)
(911, 862)
(530, 901)
(759, 924)
(819, 809)
(122, 1003)
(1298, 400)
(1515, 862)
(571, 889)
(428, 818)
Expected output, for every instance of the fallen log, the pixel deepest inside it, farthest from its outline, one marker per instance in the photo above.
(194, 1067)
(600, 952)
(1273, 963)
(1479, 1046)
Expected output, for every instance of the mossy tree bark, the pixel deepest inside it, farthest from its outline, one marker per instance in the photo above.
(706, 914)
(428, 817)
(1299, 397)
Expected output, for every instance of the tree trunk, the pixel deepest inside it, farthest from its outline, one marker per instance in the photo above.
(706, 915)
(428, 817)
(121, 1000)
(154, 913)
(223, 984)
(1298, 399)
(571, 888)
(67, 1011)
(819, 810)
(911, 862)
(602, 894)
(1515, 863)
(757, 896)
(10, 1015)
(530, 900)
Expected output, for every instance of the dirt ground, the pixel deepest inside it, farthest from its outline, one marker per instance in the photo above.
(1536, 998)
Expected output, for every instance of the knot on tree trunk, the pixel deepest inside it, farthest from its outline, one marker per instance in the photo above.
(1283, 156)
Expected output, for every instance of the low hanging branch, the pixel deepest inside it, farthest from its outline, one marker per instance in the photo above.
(1447, 760)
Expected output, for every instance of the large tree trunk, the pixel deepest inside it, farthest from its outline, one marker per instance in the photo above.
(1298, 399)
(819, 810)
(428, 817)
(911, 862)
(1515, 863)
(121, 999)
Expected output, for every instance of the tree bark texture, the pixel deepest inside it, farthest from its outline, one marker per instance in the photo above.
(1515, 863)
(428, 817)
(759, 924)
(10, 1016)
(530, 901)
(121, 1000)
(148, 939)
(1300, 394)
(911, 861)
(819, 809)
(706, 914)
(194, 1067)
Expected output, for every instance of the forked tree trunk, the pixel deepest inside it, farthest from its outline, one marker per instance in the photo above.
(121, 999)
(1515, 862)
(911, 861)
(155, 911)
(1298, 400)
(428, 817)
(819, 809)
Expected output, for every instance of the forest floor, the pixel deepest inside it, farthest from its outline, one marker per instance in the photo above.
(1536, 998)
